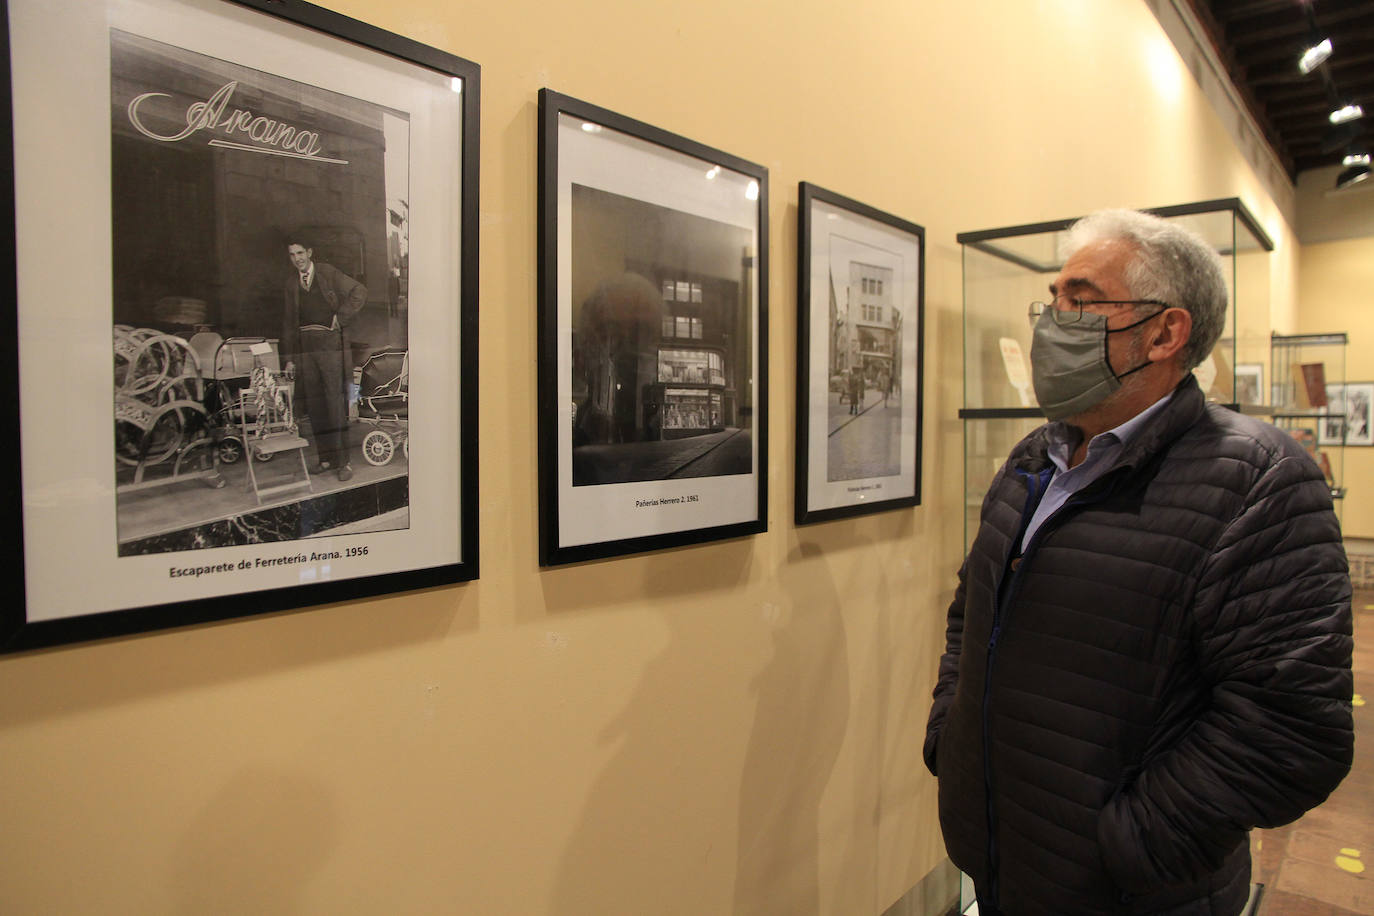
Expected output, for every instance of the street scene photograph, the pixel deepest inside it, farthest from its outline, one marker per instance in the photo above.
(865, 366)
(662, 343)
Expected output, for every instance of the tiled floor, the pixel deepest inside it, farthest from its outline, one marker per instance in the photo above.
(1323, 865)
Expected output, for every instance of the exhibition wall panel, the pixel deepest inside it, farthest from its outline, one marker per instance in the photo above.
(728, 727)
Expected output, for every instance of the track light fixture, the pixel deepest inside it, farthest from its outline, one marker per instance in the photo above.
(1314, 56)
(1344, 135)
(1352, 176)
(1346, 113)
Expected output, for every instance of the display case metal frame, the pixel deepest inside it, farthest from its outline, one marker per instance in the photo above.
(1308, 423)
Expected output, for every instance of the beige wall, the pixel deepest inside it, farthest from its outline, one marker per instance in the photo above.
(1328, 215)
(1337, 294)
(729, 727)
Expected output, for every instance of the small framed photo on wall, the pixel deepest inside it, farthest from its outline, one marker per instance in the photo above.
(653, 363)
(860, 311)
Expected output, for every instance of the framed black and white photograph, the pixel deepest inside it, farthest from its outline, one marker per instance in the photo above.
(1249, 383)
(1331, 427)
(653, 254)
(860, 307)
(1359, 424)
(244, 247)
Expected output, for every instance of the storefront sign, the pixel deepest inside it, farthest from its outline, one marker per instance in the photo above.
(275, 138)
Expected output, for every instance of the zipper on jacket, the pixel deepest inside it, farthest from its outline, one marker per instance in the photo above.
(1036, 484)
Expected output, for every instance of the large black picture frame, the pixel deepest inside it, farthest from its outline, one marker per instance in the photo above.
(653, 271)
(860, 364)
(397, 121)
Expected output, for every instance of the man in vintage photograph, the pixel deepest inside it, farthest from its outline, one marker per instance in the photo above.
(321, 302)
(1148, 653)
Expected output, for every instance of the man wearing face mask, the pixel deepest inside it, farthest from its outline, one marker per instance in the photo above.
(1148, 652)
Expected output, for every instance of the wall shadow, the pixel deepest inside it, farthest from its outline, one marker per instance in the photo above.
(702, 569)
(800, 720)
(82, 677)
(254, 846)
(636, 847)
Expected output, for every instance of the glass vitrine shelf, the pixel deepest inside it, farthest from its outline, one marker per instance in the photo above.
(1306, 394)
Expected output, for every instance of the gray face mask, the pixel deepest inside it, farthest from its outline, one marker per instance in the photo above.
(1069, 367)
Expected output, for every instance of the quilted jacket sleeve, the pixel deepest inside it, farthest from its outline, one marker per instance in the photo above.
(1273, 639)
(948, 680)
(949, 670)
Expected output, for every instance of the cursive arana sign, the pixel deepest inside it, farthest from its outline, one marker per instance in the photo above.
(275, 138)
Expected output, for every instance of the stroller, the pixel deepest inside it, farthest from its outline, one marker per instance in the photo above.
(384, 404)
(229, 376)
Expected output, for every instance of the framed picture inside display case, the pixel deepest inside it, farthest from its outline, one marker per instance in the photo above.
(653, 364)
(1359, 418)
(1331, 428)
(860, 310)
(1249, 383)
(244, 255)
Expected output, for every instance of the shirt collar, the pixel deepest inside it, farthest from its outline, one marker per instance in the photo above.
(1062, 438)
(309, 275)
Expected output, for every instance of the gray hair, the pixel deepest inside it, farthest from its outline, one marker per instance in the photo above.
(1172, 264)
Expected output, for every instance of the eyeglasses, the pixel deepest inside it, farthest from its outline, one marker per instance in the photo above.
(1072, 309)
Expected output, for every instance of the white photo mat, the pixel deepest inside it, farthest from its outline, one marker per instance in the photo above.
(839, 237)
(1359, 413)
(610, 160)
(61, 90)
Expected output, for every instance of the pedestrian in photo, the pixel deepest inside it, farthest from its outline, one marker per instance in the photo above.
(1148, 653)
(321, 303)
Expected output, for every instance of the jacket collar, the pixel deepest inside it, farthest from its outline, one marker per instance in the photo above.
(1183, 410)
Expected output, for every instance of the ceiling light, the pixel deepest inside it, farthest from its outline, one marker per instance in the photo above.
(1315, 56)
(1348, 113)
(1354, 158)
(1352, 176)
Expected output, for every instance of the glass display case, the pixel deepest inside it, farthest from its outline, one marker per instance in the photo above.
(1005, 269)
(1307, 396)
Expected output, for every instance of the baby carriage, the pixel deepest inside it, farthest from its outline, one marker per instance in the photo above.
(252, 410)
(230, 376)
(384, 404)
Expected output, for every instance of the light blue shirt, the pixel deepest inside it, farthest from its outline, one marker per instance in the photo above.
(1103, 450)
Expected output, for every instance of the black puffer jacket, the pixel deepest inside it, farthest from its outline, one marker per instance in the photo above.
(1168, 668)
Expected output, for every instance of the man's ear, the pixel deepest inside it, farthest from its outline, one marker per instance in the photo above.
(1167, 339)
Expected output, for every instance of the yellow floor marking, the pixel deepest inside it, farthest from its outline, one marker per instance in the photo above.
(1354, 866)
(1357, 700)
(1353, 853)
(1369, 607)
